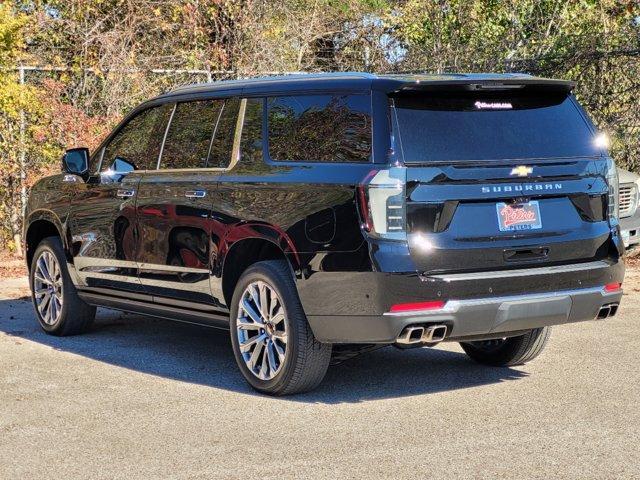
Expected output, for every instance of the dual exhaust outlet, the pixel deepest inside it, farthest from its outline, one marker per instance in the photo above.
(417, 334)
(606, 311)
(413, 335)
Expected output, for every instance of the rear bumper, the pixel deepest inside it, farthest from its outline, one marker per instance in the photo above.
(472, 318)
(356, 310)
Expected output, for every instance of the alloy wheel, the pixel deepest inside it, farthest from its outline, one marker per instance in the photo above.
(47, 287)
(261, 327)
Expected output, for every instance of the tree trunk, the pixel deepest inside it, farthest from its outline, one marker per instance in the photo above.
(16, 229)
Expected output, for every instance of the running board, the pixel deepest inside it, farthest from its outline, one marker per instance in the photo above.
(207, 319)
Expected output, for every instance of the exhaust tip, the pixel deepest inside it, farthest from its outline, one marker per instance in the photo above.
(421, 334)
(606, 311)
(603, 313)
(434, 333)
(410, 335)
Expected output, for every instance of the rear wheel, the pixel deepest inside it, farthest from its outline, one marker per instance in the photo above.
(59, 309)
(506, 352)
(272, 342)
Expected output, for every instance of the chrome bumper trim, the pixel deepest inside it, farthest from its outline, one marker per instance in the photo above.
(523, 272)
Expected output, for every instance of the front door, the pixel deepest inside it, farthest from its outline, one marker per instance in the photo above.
(102, 222)
(177, 242)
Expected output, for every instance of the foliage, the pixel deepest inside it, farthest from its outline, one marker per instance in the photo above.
(15, 101)
(117, 52)
(596, 43)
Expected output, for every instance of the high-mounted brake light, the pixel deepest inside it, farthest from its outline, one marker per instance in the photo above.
(416, 306)
(613, 287)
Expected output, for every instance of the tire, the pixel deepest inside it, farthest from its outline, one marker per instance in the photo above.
(508, 352)
(67, 313)
(267, 293)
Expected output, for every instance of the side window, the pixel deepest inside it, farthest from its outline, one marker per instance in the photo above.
(190, 134)
(320, 128)
(137, 145)
(251, 139)
(222, 143)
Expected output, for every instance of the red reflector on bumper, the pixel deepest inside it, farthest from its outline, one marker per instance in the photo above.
(612, 287)
(408, 307)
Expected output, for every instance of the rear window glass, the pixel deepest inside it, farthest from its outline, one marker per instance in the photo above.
(190, 133)
(320, 128)
(473, 126)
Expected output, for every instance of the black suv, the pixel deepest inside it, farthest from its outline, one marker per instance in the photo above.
(327, 214)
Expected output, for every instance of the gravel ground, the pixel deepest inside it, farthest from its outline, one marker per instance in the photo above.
(144, 398)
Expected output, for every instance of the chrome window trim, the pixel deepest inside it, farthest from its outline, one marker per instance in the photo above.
(215, 129)
(164, 137)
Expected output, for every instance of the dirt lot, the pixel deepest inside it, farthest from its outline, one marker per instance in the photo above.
(145, 398)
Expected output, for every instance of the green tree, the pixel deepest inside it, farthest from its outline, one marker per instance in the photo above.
(16, 103)
(594, 42)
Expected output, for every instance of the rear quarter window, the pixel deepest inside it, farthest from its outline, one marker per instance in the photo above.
(319, 128)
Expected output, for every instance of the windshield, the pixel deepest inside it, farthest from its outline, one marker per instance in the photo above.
(490, 126)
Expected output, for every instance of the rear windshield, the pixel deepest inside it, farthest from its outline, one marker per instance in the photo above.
(483, 126)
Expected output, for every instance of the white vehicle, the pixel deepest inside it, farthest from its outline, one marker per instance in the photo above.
(629, 212)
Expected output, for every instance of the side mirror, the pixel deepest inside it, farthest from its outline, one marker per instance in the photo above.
(76, 161)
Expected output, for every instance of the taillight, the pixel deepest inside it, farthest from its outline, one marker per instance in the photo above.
(612, 287)
(612, 182)
(382, 203)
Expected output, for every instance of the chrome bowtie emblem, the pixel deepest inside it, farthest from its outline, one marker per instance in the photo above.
(521, 171)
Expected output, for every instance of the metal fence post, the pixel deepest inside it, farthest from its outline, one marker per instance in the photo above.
(23, 147)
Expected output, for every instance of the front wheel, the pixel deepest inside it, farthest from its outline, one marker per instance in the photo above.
(507, 352)
(272, 342)
(59, 309)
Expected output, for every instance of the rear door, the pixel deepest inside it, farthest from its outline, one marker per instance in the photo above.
(177, 241)
(102, 221)
(500, 179)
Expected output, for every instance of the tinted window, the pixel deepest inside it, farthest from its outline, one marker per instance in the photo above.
(251, 140)
(190, 133)
(320, 128)
(472, 126)
(138, 143)
(222, 143)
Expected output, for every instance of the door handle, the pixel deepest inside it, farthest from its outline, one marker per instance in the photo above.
(195, 193)
(125, 193)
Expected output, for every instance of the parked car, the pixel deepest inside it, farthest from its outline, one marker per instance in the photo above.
(329, 214)
(629, 214)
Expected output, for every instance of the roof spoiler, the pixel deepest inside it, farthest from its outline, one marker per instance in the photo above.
(475, 85)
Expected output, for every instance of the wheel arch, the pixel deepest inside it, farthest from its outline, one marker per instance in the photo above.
(244, 253)
(41, 224)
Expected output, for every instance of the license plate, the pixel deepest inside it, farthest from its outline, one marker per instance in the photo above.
(518, 216)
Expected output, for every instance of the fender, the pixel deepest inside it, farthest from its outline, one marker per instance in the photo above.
(48, 216)
(63, 232)
(261, 231)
